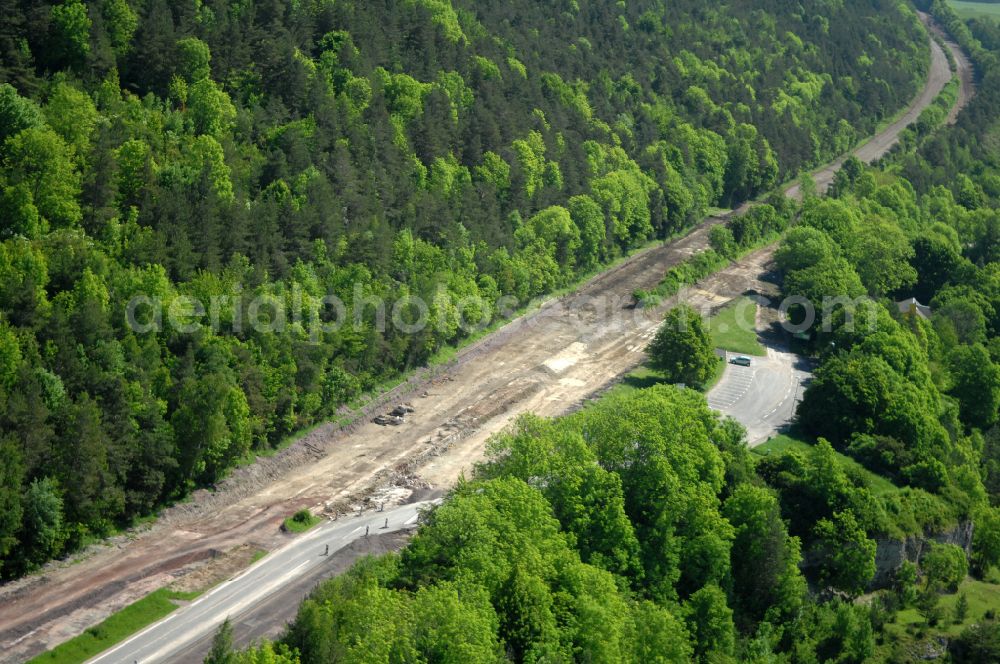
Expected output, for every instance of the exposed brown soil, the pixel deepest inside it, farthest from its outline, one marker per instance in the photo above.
(267, 620)
(219, 568)
(548, 363)
(545, 362)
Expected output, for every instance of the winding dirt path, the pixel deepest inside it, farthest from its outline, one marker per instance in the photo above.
(548, 363)
(964, 69)
(938, 75)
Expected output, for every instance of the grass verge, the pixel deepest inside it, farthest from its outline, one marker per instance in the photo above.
(643, 377)
(734, 328)
(797, 442)
(717, 371)
(115, 628)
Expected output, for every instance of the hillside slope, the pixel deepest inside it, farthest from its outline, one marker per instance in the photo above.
(258, 517)
(261, 157)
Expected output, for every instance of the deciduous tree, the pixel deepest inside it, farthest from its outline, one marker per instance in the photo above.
(682, 348)
(848, 554)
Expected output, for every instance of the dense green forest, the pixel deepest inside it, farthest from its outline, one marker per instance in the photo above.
(642, 528)
(281, 152)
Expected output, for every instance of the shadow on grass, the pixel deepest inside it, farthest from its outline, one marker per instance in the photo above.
(643, 381)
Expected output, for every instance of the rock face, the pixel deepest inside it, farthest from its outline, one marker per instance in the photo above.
(891, 553)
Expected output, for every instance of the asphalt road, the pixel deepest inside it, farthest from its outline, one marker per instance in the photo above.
(506, 373)
(763, 396)
(168, 639)
(269, 617)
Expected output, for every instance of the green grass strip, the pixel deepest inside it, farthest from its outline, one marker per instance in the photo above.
(115, 628)
(734, 328)
(793, 442)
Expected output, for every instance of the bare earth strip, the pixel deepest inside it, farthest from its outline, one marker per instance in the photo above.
(966, 72)
(938, 76)
(547, 363)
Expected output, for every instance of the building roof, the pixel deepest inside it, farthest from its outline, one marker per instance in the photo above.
(911, 306)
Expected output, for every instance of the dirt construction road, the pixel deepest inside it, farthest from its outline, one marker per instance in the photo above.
(546, 363)
(937, 77)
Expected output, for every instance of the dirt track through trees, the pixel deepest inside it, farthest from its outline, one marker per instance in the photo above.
(546, 363)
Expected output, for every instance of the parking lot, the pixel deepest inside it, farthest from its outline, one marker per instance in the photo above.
(763, 396)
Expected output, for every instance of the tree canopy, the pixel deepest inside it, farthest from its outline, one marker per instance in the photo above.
(682, 348)
(286, 153)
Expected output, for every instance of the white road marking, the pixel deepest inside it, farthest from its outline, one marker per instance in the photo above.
(192, 622)
(208, 624)
(747, 393)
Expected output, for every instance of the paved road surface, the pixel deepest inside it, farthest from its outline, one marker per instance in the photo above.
(167, 639)
(556, 358)
(269, 616)
(763, 396)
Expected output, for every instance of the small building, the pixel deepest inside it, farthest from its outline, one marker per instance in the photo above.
(912, 307)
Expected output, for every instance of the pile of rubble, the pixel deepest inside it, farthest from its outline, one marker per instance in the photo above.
(395, 417)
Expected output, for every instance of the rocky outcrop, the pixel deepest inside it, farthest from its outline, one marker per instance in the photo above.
(891, 553)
